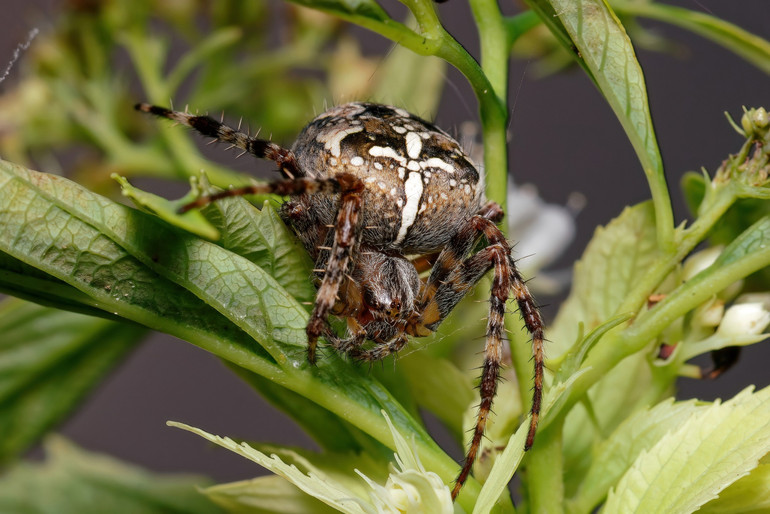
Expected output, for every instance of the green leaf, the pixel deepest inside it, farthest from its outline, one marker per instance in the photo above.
(191, 221)
(749, 495)
(262, 237)
(49, 361)
(342, 8)
(327, 429)
(616, 258)
(133, 264)
(600, 44)
(39, 225)
(754, 49)
(612, 457)
(23, 281)
(77, 482)
(265, 495)
(690, 466)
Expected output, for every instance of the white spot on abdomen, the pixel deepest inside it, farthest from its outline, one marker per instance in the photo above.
(435, 162)
(386, 151)
(357, 160)
(413, 145)
(413, 191)
(332, 138)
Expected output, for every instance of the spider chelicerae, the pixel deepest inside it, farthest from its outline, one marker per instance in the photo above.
(377, 195)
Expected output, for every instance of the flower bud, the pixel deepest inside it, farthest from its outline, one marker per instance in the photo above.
(744, 319)
(699, 261)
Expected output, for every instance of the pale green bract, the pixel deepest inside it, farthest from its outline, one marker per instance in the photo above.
(409, 487)
(691, 465)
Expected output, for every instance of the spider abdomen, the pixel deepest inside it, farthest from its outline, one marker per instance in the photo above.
(419, 185)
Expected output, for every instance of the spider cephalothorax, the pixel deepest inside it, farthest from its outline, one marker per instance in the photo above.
(373, 192)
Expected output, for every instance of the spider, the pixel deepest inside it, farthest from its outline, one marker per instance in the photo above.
(374, 194)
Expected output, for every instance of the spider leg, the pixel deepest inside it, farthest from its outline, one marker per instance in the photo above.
(448, 284)
(447, 261)
(346, 234)
(288, 187)
(208, 126)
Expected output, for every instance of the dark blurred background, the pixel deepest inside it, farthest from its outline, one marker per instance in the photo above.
(563, 134)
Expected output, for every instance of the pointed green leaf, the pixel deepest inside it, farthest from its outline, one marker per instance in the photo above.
(612, 458)
(310, 481)
(49, 361)
(39, 225)
(690, 466)
(73, 481)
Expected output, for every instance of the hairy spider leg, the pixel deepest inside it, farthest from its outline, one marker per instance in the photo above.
(451, 279)
(346, 236)
(347, 231)
(208, 126)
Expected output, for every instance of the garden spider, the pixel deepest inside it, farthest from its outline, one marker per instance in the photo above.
(369, 186)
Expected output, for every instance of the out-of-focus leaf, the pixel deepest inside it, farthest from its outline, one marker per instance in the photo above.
(411, 81)
(73, 481)
(689, 467)
(327, 429)
(754, 49)
(363, 8)
(445, 391)
(49, 360)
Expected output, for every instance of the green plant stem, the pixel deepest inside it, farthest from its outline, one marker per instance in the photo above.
(520, 344)
(545, 468)
(493, 37)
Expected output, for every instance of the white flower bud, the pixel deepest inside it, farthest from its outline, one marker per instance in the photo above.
(744, 319)
(709, 314)
(699, 261)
